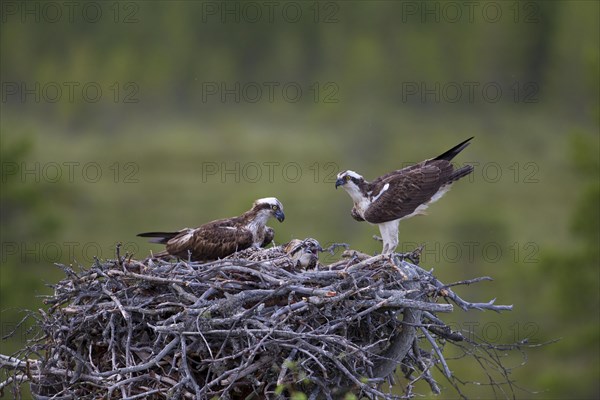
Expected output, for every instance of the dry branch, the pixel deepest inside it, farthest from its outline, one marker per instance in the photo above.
(237, 328)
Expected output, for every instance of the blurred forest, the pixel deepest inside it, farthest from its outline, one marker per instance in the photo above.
(124, 117)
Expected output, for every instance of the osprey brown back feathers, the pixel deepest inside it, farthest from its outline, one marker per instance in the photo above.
(415, 185)
(221, 238)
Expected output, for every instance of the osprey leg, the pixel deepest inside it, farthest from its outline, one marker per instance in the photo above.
(389, 234)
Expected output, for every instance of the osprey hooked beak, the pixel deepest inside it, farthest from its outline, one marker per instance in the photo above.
(339, 182)
(279, 215)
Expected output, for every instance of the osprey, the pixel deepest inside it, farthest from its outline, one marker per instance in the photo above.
(220, 238)
(402, 193)
(294, 255)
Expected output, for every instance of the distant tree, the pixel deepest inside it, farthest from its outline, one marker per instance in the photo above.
(572, 278)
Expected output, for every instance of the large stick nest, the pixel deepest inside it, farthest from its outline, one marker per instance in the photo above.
(255, 325)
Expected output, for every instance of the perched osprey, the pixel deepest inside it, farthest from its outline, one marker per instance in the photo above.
(220, 238)
(402, 193)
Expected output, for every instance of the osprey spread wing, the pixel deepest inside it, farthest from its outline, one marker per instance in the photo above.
(402, 193)
(220, 238)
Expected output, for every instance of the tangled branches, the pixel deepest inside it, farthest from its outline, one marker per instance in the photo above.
(249, 326)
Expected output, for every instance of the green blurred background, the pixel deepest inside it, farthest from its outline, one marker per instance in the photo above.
(120, 118)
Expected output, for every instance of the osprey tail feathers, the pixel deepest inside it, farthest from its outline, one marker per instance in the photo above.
(450, 154)
(159, 237)
(461, 172)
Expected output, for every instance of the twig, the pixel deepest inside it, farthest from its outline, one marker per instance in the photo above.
(438, 352)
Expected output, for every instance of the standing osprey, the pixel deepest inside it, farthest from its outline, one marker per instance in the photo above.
(402, 193)
(220, 238)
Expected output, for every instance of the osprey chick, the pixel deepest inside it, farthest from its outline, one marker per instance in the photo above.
(294, 255)
(402, 193)
(220, 238)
